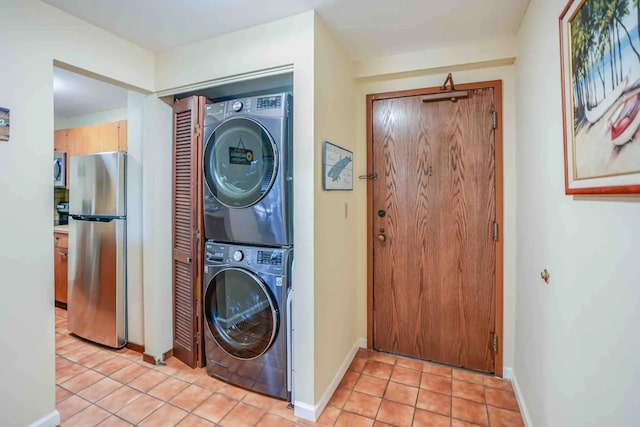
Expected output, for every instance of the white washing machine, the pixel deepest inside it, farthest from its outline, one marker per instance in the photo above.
(247, 169)
(247, 307)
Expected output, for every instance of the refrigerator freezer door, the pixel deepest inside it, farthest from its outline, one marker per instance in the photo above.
(96, 304)
(97, 184)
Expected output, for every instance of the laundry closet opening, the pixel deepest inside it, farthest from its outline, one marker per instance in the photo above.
(232, 249)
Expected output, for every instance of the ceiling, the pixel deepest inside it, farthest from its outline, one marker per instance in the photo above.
(367, 29)
(75, 94)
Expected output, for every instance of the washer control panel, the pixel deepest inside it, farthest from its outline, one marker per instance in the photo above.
(237, 106)
(265, 260)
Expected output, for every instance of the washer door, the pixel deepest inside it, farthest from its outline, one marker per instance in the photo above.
(240, 162)
(241, 313)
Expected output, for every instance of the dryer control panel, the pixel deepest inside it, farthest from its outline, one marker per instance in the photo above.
(257, 259)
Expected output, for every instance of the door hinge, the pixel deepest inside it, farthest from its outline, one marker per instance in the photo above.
(495, 231)
(495, 119)
(197, 129)
(494, 342)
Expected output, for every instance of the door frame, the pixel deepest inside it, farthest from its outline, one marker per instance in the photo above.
(496, 85)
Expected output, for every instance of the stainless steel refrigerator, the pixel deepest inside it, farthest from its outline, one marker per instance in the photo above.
(96, 306)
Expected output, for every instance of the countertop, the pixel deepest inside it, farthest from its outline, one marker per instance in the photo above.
(61, 229)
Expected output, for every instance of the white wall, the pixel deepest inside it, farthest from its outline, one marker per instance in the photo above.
(135, 243)
(287, 42)
(106, 116)
(35, 34)
(577, 340)
(464, 70)
(157, 184)
(335, 236)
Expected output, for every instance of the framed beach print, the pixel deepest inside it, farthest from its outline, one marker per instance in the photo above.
(600, 72)
(337, 167)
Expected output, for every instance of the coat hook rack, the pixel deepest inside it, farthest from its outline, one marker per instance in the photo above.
(448, 80)
(446, 92)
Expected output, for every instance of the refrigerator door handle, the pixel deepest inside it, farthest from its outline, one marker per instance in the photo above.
(93, 218)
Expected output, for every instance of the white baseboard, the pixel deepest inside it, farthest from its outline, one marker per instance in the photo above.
(312, 413)
(52, 419)
(510, 375)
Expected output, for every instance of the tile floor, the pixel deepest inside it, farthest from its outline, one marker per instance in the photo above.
(98, 386)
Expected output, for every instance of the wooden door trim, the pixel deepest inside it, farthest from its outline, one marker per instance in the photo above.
(496, 85)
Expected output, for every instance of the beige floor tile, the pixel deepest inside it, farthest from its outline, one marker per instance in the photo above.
(195, 421)
(148, 380)
(406, 376)
(395, 413)
(362, 404)
(434, 402)
(379, 389)
(100, 389)
(271, 420)
(242, 415)
(430, 419)
(501, 399)
(165, 415)
(469, 391)
(189, 398)
(139, 409)
(215, 407)
(114, 421)
(71, 406)
(472, 412)
(347, 419)
(119, 399)
(82, 381)
(90, 416)
(168, 389)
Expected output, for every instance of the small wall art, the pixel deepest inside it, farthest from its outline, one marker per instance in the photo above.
(4, 124)
(600, 50)
(337, 167)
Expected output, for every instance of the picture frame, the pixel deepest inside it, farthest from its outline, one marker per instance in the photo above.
(337, 168)
(600, 79)
(5, 114)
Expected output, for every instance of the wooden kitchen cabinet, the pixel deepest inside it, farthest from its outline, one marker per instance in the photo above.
(60, 141)
(93, 139)
(60, 266)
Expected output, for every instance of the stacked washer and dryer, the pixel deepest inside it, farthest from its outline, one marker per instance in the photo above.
(248, 223)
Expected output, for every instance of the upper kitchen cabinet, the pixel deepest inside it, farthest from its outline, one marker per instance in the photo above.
(97, 138)
(60, 141)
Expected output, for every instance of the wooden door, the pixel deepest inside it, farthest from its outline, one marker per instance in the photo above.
(433, 216)
(188, 246)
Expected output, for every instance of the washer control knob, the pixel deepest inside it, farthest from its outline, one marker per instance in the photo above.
(238, 256)
(237, 106)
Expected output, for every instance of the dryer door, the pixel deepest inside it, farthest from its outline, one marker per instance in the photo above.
(240, 162)
(241, 313)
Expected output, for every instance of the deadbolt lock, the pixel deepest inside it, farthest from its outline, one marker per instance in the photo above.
(381, 236)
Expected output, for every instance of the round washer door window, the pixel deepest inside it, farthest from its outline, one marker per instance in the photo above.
(241, 313)
(240, 162)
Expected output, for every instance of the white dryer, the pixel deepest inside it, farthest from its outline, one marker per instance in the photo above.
(247, 170)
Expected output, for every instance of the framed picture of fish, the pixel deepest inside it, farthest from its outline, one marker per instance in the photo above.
(600, 72)
(337, 167)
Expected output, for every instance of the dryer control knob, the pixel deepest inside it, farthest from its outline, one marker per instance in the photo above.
(238, 256)
(237, 106)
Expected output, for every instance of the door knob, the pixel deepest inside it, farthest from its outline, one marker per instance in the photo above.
(381, 236)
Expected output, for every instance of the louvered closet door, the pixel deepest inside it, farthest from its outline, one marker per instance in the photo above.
(188, 115)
